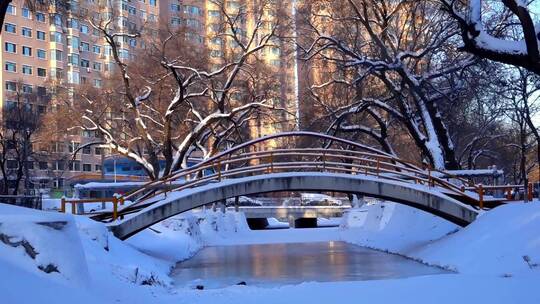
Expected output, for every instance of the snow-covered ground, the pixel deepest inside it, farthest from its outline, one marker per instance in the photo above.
(48, 257)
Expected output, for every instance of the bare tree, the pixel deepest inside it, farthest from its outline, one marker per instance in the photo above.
(397, 58)
(20, 125)
(484, 27)
(182, 103)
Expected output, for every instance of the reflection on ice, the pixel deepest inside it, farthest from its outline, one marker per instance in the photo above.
(272, 265)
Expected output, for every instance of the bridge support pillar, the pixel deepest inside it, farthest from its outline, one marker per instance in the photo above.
(223, 206)
(292, 221)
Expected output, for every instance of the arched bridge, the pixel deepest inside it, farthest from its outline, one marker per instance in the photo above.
(349, 168)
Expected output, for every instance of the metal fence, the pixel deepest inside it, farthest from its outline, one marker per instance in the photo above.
(34, 202)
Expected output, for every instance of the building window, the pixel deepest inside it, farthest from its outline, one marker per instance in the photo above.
(73, 77)
(176, 21)
(56, 37)
(152, 2)
(10, 28)
(85, 46)
(87, 150)
(96, 49)
(73, 146)
(123, 53)
(98, 167)
(40, 17)
(96, 66)
(26, 69)
(26, 13)
(193, 10)
(27, 89)
(41, 72)
(132, 10)
(11, 86)
(57, 73)
(87, 167)
(26, 32)
(40, 35)
(10, 47)
(10, 66)
(73, 41)
(97, 151)
(41, 91)
(41, 54)
(97, 83)
(27, 51)
(73, 59)
(175, 7)
(193, 23)
(56, 55)
(11, 10)
(72, 23)
(56, 20)
(84, 29)
(75, 165)
(85, 63)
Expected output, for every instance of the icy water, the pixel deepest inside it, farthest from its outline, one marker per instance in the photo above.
(273, 265)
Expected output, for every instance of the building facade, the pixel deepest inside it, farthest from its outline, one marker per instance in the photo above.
(43, 49)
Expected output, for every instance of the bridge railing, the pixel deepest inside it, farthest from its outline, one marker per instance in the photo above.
(292, 160)
(356, 159)
(116, 202)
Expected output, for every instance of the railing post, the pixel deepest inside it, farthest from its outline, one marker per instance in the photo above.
(378, 166)
(481, 196)
(530, 192)
(63, 205)
(271, 162)
(509, 193)
(429, 177)
(115, 207)
(324, 161)
(462, 188)
(73, 207)
(219, 171)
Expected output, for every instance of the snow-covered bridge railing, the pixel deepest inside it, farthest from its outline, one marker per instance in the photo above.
(351, 158)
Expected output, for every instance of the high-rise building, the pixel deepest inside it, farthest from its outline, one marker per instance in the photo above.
(52, 46)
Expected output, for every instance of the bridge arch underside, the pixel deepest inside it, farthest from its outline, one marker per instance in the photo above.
(416, 196)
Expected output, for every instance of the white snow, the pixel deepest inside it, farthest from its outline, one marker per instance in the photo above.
(95, 267)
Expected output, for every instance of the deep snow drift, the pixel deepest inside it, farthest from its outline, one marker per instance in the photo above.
(504, 241)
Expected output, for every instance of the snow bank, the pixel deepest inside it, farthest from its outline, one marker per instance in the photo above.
(218, 225)
(392, 227)
(505, 241)
(110, 256)
(174, 239)
(42, 243)
(63, 256)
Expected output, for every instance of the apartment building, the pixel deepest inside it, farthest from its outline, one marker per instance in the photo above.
(53, 46)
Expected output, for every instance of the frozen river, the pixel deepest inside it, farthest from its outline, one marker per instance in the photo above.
(271, 265)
